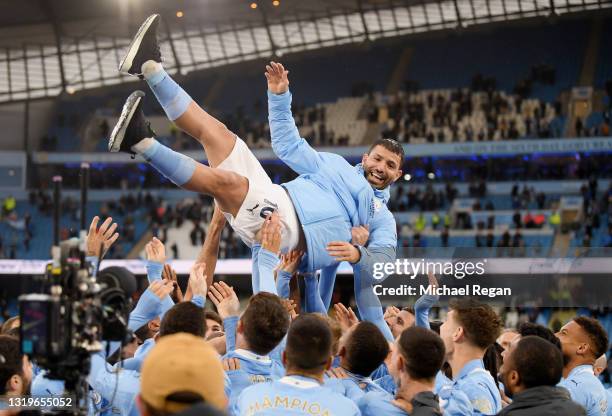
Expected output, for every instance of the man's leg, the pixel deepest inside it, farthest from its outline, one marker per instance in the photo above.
(133, 134)
(144, 59)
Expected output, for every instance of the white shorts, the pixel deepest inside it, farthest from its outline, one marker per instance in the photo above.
(263, 197)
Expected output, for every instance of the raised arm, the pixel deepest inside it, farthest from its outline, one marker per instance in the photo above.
(210, 248)
(286, 141)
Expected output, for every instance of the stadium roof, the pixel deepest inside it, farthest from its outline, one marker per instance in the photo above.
(50, 46)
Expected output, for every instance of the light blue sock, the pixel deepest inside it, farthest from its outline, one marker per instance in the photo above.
(174, 166)
(173, 99)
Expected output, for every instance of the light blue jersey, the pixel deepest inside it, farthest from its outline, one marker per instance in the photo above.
(477, 384)
(586, 390)
(254, 369)
(609, 393)
(376, 403)
(293, 395)
(330, 196)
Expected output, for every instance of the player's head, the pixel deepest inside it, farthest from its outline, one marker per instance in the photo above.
(530, 361)
(15, 368)
(183, 317)
(214, 325)
(309, 345)
(583, 340)
(418, 354)
(470, 324)
(382, 164)
(529, 328)
(363, 349)
(506, 337)
(264, 323)
(400, 321)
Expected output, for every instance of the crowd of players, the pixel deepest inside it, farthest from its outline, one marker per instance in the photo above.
(283, 353)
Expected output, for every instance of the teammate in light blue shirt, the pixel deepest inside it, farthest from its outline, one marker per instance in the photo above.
(362, 349)
(417, 356)
(470, 328)
(583, 340)
(254, 339)
(307, 355)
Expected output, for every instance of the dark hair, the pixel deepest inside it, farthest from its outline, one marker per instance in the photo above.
(596, 333)
(183, 317)
(481, 324)
(391, 145)
(423, 352)
(538, 362)
(213, 316)
(309, 342)
(366, 349)
(492, 359)
(265, 322)
(143, 333)
(529, 328)
(11, 360)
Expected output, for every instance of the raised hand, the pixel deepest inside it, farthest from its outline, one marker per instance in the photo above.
(169, 274)
(161, 288)
(271, 233)
(101, 238)
(360, 235)
(345, 317)
(225, 299)
(291, 261)
(197, 280)
(155, 251)
(343, 251)
(290, 306)
(278, 82)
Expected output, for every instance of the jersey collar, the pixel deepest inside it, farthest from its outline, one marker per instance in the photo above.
(250, 355)
(300, 382)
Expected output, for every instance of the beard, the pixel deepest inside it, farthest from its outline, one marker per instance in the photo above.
(507, 391)
(566, 359)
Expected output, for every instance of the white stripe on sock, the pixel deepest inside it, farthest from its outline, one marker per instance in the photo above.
(150, 68)
(143, 145)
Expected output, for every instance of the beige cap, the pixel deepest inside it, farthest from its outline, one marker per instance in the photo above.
(181, 363)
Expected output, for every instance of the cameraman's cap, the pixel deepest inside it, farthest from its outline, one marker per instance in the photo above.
(178, 366)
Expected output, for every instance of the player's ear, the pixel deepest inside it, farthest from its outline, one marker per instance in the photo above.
(398, 175)
(364, 158)
(284, 359)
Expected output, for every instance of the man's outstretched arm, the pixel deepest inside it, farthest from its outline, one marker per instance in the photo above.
(286, 141)
(210, 249)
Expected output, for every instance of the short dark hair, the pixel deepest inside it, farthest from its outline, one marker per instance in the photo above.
(597, 334)
(392, 146)
(538, 362)
(265, 322)
(366, 349)
(309, 342)
(11, 361)
(481, 324)
(183, 317)
(213, 316)
(423, 352)
(529, 328)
